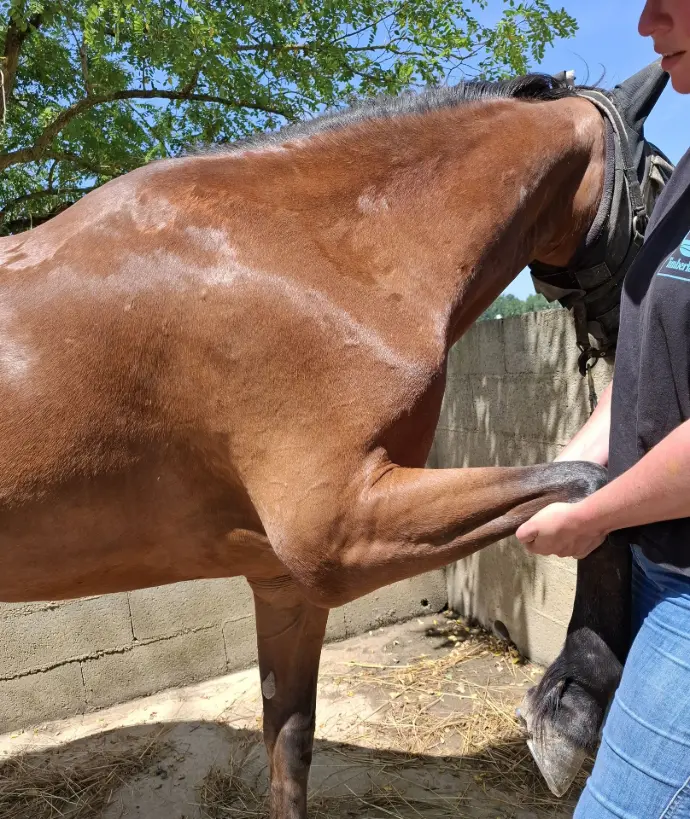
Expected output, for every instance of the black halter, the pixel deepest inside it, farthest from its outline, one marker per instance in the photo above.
(591, 284)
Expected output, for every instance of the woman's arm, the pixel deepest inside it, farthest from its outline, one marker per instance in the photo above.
(656, 488)
(592, 442)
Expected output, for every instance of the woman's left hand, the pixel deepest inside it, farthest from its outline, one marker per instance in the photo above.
(560, 529)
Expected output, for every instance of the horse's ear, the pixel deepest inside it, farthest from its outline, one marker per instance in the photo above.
(636, 97)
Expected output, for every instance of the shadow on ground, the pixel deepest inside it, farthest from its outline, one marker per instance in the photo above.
(414, 721)
(202, 769)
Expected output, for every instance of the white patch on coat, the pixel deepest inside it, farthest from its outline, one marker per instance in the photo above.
(15, 358)
(332, 319)
(268, 686)
(153, 214)
(368, 202)
(209, 239)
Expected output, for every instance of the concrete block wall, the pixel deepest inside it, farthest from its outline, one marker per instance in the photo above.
(514, 396)
(66, 658)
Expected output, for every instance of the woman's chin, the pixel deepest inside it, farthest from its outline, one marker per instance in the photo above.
(680, 75)
(681, 83)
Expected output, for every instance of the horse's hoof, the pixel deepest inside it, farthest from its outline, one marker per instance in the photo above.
(558, 758)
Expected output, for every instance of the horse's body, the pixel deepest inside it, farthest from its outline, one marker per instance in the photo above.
(233, 364)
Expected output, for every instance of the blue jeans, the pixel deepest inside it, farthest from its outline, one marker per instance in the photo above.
(642, 770)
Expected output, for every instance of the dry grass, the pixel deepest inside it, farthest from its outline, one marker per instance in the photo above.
(78, 789)
(428, 708)
(229, 795)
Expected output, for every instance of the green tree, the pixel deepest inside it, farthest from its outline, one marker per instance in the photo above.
(90, 89)
(510, 305)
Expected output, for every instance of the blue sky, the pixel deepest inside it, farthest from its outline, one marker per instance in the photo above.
(608, 43)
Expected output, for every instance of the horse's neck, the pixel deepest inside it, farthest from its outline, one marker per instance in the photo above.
(536, 194)
(442, 210)
(450, 206)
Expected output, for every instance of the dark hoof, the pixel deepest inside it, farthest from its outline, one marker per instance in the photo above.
(564, 714)
(558, 758)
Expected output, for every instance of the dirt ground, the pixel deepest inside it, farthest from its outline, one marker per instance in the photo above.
(414, 720)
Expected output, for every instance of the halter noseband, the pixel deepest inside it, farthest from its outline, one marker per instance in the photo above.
(591, 285)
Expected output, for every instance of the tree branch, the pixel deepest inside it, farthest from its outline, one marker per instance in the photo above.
(84, 57)
(14, 40)
(314, 47)
(37, 150)
(371, 25)
(85, 165)
(41, 194)
(23, 223)
(191, 85)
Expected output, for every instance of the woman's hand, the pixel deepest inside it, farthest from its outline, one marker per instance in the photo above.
(560, 529)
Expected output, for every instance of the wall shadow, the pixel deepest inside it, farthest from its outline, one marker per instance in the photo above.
(514, 397)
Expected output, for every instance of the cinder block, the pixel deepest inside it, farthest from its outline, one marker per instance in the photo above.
(552, 592)
(153, 666)
(539, 637)
(458, 410)
(481, 350)
(78, 629)
(47, 695)
(548, 409)
(240, 643)
(169, 610)
(490, 402)
(12, 611)
(458, 449)
(408, 598)
(541, 343)
(532, 596)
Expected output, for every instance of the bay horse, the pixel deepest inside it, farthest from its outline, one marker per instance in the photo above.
(232, 363)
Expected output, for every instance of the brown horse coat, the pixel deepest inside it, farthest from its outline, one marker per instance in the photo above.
(233, 364)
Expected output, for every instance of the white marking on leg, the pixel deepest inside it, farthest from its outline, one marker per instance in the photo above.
(268, 686)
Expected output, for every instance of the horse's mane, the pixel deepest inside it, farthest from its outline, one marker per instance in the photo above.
(531, 87)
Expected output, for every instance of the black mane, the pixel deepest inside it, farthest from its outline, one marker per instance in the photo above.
(531, 87)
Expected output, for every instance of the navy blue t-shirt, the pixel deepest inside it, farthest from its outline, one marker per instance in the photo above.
(651, 382)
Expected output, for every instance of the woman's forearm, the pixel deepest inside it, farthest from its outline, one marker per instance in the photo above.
(592, 442)
(656, 488)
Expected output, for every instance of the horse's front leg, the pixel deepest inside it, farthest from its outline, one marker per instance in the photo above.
(290, 633)
(564, 713)
(390, 523)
